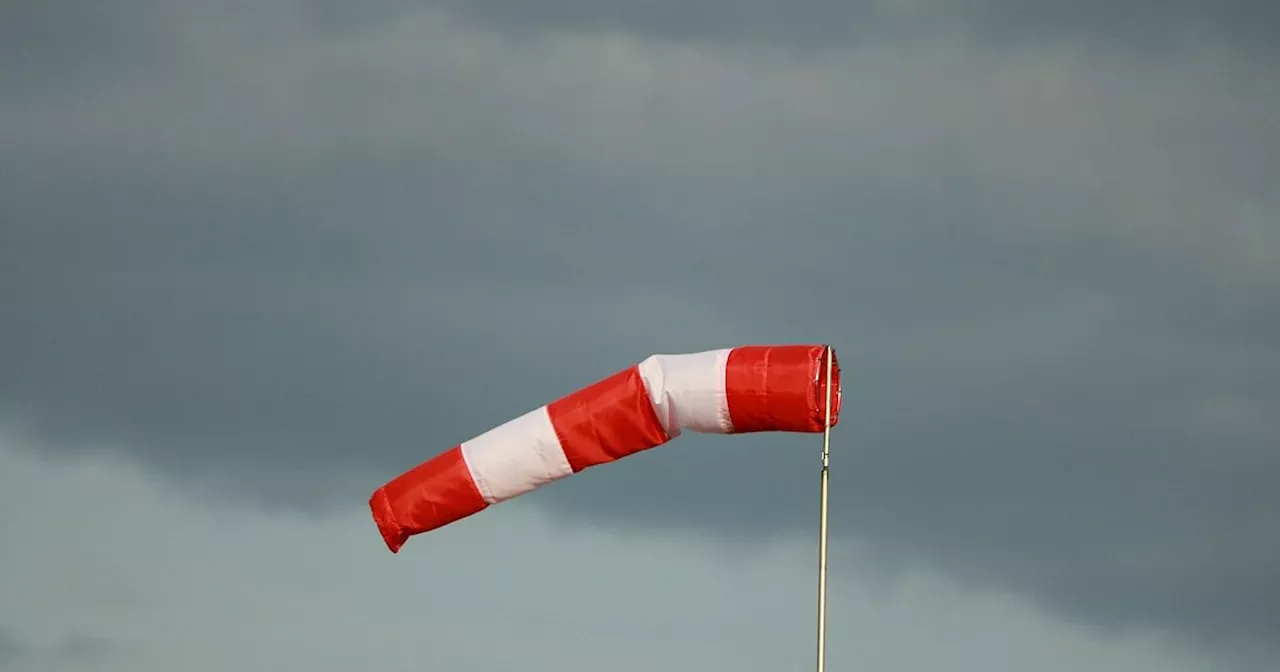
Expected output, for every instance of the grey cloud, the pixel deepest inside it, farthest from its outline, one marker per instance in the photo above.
(242, 590)
(298, 265)
(1126, 25)
(12, 650)
(55, 42)
(74, 648)
(63, 39)
(82, 647)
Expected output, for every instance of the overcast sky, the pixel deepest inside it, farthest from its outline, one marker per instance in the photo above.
(258, 258)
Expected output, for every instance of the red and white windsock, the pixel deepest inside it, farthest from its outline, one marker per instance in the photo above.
(757, 388)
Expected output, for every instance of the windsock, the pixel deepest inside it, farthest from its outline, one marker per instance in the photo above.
(754, 388)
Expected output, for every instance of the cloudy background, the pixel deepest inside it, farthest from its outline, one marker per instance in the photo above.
(255, 261)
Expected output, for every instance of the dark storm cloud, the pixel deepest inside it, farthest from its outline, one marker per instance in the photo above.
(297, 262)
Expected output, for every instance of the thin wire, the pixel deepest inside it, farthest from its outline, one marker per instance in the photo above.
(822, 528)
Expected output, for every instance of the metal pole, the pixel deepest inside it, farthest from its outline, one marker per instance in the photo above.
(822, 528)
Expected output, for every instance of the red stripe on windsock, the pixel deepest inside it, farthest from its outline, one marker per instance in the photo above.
(607, 420)
(434, 493)
(780, 388)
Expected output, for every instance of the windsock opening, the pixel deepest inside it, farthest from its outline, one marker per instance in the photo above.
(781, 388)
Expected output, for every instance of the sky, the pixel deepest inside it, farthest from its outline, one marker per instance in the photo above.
(257, 260)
